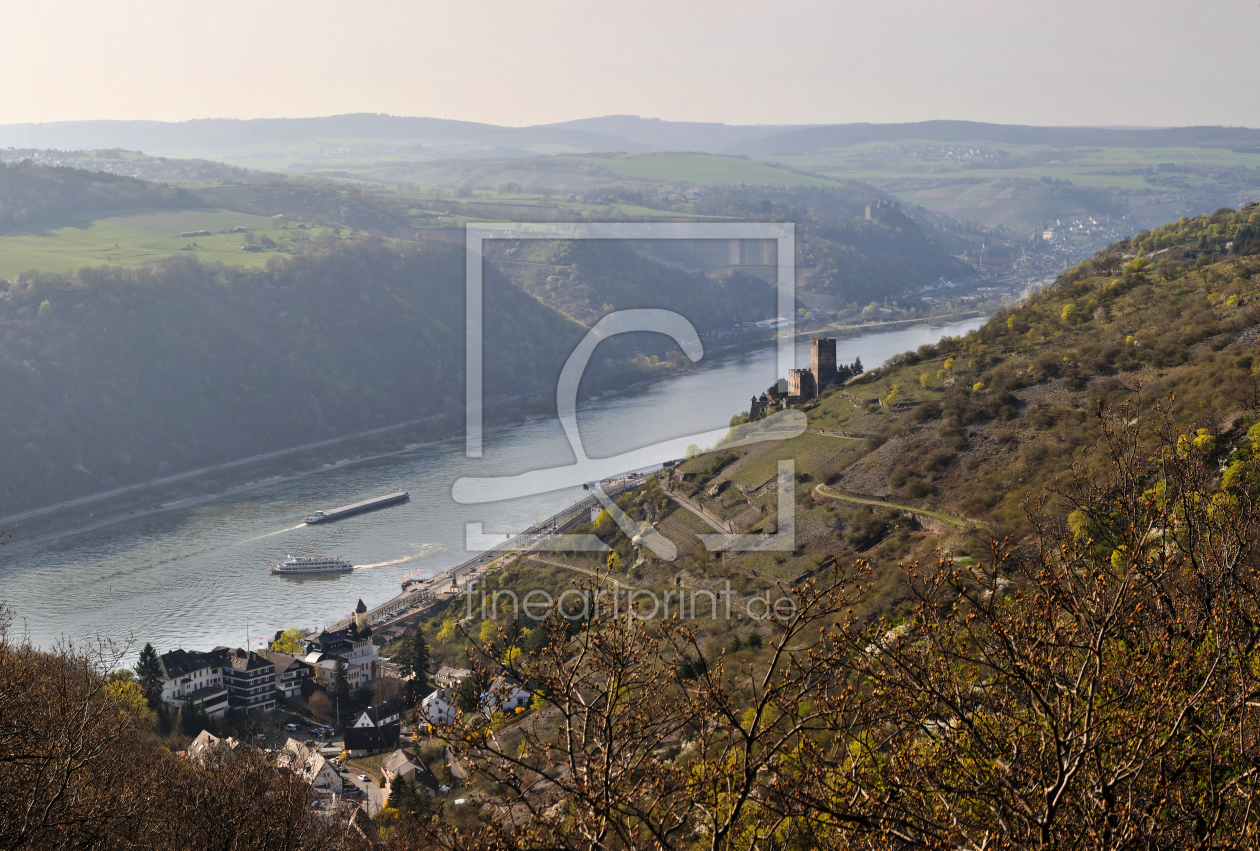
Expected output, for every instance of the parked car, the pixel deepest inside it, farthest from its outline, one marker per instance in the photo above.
(292, 728)
(363, 777)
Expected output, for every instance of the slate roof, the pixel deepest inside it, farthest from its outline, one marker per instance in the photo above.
(449, 676)
(372, 738)
(247, 660)
(404, 765)
(339, 641)
(285, 661)
(396, 761)
(179, 663)
(383, 710)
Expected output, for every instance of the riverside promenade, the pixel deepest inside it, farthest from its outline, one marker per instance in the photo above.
(457, 579)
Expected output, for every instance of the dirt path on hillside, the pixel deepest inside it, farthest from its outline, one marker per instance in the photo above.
(950, 519)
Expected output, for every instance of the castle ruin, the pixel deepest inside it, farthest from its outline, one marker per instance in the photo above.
(803, 384)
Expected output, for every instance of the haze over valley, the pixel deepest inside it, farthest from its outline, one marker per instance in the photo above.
(820, 426)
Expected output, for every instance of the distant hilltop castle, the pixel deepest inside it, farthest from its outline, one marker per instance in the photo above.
(802, 384)
(879, 209)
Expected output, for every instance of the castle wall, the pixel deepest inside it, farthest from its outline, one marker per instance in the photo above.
(801, 383)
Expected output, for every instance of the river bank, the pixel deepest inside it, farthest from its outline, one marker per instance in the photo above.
(191, 571)
(195, 487)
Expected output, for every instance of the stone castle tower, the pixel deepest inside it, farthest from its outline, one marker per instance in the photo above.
(822, 362)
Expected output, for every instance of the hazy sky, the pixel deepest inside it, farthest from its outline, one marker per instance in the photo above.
(1139, 62)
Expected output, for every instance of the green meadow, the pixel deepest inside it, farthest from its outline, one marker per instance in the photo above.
(134, 239)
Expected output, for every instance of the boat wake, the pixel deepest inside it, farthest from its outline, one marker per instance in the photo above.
(426, 550)
(267, 535)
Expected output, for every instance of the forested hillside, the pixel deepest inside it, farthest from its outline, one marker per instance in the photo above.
(317, 202)
(585, 279)
(31, 194)
(840, 251)
(117, 375)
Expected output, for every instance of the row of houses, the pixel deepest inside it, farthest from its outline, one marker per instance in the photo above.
(506, 694)
(234, 678)
(308, 763)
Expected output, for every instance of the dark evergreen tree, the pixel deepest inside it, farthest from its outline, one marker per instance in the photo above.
(149, 673)
(165, 719)
(410, 802)
(341, 687)
(401, 795)
(192, 719)
(413, 659)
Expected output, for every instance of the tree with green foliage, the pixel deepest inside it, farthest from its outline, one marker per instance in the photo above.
(400, 795)
(289, 641)
(126, 695)
(122, 675)
(410, 803)
(149, 674)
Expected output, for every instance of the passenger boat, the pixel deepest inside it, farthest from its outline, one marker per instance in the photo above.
(308, 565)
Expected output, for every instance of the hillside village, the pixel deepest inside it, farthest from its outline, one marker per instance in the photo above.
(269, 698)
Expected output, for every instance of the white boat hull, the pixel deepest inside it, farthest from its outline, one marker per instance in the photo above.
(309, 571)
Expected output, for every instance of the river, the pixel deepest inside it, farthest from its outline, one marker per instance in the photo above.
(197, 577)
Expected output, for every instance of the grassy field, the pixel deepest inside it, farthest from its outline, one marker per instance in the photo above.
(134, 239)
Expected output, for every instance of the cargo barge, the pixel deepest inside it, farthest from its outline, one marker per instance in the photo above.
(357, 508)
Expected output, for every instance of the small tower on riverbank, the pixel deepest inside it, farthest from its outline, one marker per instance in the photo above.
(360, 616)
